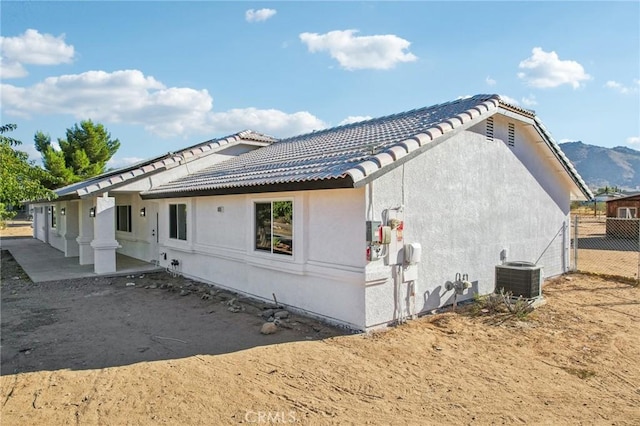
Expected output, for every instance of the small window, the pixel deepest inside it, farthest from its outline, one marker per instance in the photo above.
(628, 212)
(178, 221)
(123, 218)
(53, 216)
(274, 227)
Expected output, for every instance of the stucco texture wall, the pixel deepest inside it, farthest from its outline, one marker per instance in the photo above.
(323, 277)
(465, 200)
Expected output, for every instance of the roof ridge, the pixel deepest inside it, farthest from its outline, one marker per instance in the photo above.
(391, 116)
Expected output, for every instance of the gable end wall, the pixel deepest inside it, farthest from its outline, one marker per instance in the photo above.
(465, 201)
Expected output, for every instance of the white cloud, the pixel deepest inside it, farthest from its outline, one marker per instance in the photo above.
(529, 101)
(354, 119)
(252, 15)
(490, 81)
(32, 48)
(546, 70)
(509, 100)
(130, 97)
(269, 121)
(117, 163)
(360, 52)
(633, 140)
(463, 97)
(565, 140)
(621, 88)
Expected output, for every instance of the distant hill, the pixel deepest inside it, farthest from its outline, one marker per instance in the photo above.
(600, 166)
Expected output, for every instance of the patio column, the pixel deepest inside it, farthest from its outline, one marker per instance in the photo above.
(34, 220)
(104, 243)
(71, 248)
(85, 235)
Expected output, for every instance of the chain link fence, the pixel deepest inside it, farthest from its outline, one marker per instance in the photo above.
(607, 246)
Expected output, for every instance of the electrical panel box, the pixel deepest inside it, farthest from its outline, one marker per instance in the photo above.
(412, 253)
(372, 231)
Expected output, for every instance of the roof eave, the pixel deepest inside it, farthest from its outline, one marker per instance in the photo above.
(564, 161)
(342, 182)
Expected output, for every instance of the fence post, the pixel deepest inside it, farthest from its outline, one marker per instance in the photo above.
(638, 248)
(576, 221)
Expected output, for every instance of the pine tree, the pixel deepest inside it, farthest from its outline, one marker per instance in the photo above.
(83, 154)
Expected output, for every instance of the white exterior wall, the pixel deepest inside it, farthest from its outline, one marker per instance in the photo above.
(137, 242)
(325, 275)
(40, 228)
(465, 201)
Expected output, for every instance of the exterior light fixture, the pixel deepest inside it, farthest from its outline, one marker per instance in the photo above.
(49, 210)
(63, 211)
(92, 212)
(143, 212)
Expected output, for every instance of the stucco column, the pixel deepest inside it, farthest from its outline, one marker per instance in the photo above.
(71, 217)
(85, 232)
(104, 242)
(34, 220)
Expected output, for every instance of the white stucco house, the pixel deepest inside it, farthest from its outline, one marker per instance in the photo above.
(465, 183)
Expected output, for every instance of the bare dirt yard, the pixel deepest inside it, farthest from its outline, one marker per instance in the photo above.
(97, 352)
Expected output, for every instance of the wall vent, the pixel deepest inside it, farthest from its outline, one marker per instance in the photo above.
(520, 278)
(511, 139)
(490, 129)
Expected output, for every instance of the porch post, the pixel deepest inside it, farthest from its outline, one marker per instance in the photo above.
(34, 220)
(85, 228)
(71, 217)
(104, 243)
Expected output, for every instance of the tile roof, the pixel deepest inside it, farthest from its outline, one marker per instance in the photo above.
(144, 168)
(351, 155)
(352, 151)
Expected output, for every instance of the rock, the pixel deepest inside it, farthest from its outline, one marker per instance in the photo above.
(268, 313)
(205, 297)
(153, 286)
(141, 276)
(130, 284)
(269, 328)
(184, 292)
(281, 314)
(231, 302)
(234, 309)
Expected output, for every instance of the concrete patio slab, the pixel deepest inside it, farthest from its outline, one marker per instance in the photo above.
(44, 263)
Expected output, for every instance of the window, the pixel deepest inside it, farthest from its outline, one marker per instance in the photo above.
(274, 227)
(178, 221)
(628, 212)
(123, 218)
(53, 216)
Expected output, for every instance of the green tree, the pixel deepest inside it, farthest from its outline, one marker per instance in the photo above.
(83, 154)
(20, 179)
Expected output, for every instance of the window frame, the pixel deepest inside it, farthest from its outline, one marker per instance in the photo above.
(628, 210)
(177, 232)
(129, 220)
(255, 236)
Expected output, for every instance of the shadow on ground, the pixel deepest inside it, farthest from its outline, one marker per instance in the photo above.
(91, 323)
(608, 243)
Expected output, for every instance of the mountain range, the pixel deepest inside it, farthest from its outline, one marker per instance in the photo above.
(600, 166)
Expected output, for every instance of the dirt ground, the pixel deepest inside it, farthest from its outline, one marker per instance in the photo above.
(99, 352)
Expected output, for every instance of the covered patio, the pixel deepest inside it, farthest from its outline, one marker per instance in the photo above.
(44, 263)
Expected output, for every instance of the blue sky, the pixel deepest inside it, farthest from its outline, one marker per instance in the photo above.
(164, 75)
